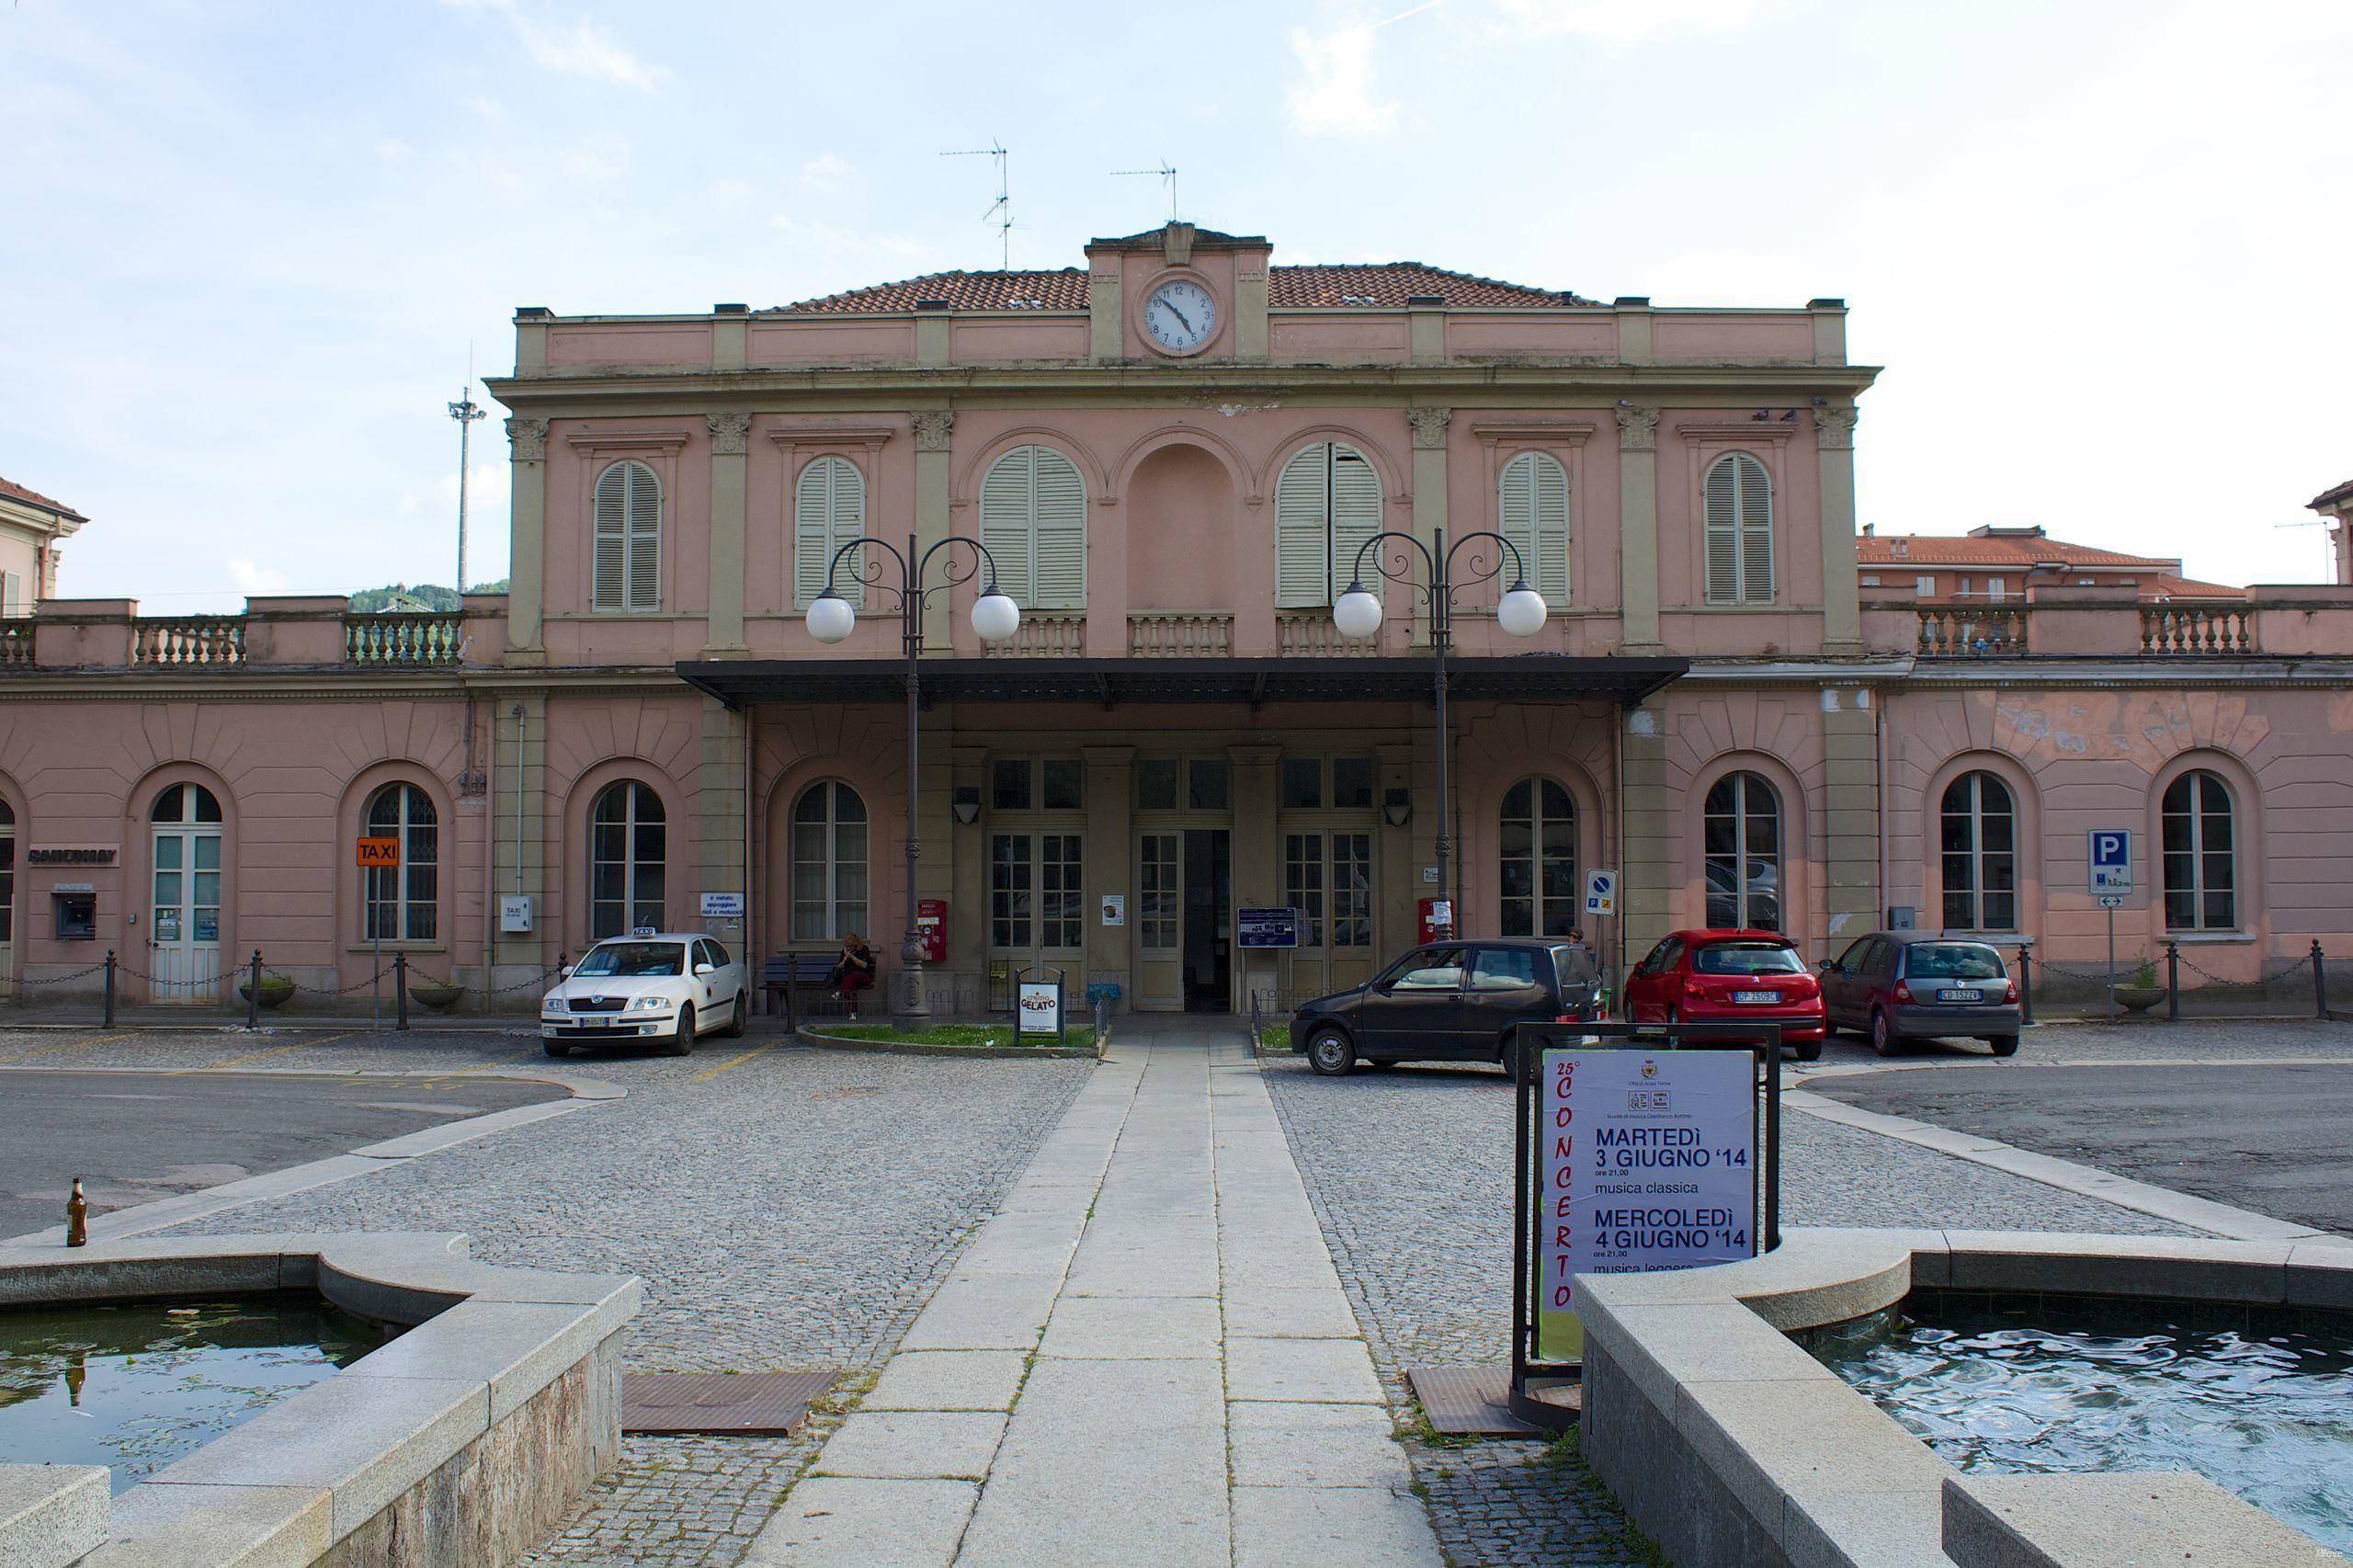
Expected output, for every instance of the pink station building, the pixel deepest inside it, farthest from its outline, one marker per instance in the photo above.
(1174, 455)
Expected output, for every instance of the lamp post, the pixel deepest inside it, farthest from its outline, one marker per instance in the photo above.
(832, 617)
(1520, 612)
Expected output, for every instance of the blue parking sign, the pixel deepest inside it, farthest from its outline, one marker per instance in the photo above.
(2111, 859)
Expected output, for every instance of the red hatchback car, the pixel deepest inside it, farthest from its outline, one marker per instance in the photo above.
(1719, 976)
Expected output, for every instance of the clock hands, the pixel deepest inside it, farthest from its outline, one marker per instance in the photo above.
(1170, 306)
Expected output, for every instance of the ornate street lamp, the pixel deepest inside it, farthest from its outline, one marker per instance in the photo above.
(832, 617)
(1520, 612)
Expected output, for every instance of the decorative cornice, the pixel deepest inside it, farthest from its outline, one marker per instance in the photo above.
(1533, 432)
(1637, 428)
(665, 441)
(1429, 428)
(933, 428)
(866, 435)
(530, 437)
(1833, 428)
(1738, 432)
(730, 434)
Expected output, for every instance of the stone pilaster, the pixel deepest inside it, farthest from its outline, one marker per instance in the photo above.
(730, 447)
(1638, 527)
(1110, 862)
(519, 841)
(1842, 614)
(1257, 861)
(1250, 294)
(1429, 427)
(723, 854)
(968, 904)
(1105, 329)
(1398, 875)
(527, 527)
(1850, 893)
(935, 431)
(1652, 817)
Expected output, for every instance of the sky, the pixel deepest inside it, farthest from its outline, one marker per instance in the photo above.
(2101, 250)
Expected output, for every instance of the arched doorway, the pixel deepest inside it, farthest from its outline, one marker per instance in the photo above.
(184, 903)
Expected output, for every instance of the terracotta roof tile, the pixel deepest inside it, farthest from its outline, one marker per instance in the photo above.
(2176, 587)
(15, 492)
(2332, 495)
(1380, 286)
(1946, 550)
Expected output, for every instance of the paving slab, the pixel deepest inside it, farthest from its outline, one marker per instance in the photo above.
(1281, 1527)
(913, 1445)
(1134, 1329)
(852, 1523)
(948, 1379)
(1337, 1372)
(1314, 1445)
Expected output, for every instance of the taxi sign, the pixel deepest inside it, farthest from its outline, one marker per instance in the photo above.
(380, 851)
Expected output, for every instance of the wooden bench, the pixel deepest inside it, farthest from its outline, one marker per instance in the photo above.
(790, 972)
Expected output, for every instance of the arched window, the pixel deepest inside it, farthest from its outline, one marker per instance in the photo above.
(1739, 504)
(1538, 838)
(1980, 848)
(1742, 839)
(7, 875)
(2201, 863)
(828, 863)
(1327, 503)
(629, 538)
(1033, 519)
(1532, 505)
(400, 902)
(186, 803)
(628, 854)
(828, 511)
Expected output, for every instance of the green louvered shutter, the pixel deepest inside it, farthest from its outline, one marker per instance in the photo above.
(1356, 517)
(1533, 508)
(1721, 530)
(1058, 531)
(1756, 531)
(829, 511)
(1303, 530)
(1004, 521)
(626, 566)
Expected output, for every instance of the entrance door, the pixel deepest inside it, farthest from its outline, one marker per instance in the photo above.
(7, 896)
(1209, 919)
(183, 936)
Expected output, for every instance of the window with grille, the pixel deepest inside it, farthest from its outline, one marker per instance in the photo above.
(8, 870)
(829, 863)
(2201, 861)
(628, 859)
(1980, 850)
(1304, 884)
(1738, 504)
(1533, 509)
(1538, 839)
(828, 512)
(401, 903)
(1159, 925)
(1327, 876)
(1037, 889)
(1327, 506)
(1741, 839)
(1033, 521)
(627, 554)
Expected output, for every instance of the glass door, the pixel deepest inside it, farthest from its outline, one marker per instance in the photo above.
(184, 903)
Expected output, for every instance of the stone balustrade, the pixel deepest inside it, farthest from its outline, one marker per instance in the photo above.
(403, 638)
(1180, 634)
(189, 642)
(1308, 633)
(2189, 627)
(1044, 634)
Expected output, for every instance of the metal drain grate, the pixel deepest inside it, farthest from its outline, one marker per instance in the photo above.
(1464, 1400)
(748, 1403)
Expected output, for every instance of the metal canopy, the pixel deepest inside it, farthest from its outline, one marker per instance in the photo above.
(1526, 678)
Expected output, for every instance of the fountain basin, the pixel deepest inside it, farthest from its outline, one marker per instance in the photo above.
(1729, 1443)
(466, 1438)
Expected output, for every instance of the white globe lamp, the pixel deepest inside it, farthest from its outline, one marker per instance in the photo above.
(994, 615)
(1521, 611)
(1357, 612)
(831, 619)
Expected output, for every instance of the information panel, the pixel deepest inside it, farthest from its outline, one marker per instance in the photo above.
(1648, 1162)
(1273, 926)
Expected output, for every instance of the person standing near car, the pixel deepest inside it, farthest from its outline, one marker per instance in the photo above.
(853, 970)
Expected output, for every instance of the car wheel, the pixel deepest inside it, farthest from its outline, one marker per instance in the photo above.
(1330, 1052)
(1811, 1050)
(555, 1048)
(735, 1018)
(1882, 1035)
(2004, 1044)
(682, 1043)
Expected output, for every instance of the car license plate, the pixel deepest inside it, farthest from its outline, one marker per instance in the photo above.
(594, 1023)
(1952, 996)
(1766, 996)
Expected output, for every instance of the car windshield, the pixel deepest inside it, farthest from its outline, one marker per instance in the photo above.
(1951, 960)
(1746, 958)
(627, 960)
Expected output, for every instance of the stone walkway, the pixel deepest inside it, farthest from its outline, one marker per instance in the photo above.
(1145, 1357)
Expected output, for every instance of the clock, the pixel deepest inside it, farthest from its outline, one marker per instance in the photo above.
(1180, 315)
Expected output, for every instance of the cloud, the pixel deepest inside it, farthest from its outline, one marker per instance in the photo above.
(253, 578)
(826, 171)
(1620, 21)
(580, 49)
(1334, 95)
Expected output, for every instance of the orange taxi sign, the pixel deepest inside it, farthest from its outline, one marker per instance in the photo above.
(380, 851)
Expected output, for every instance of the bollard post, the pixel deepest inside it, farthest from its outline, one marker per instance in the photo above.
(2173, 982)
(110, 988)
(400, 986)
(2320, 983)
(2026, 985)
(253, 994)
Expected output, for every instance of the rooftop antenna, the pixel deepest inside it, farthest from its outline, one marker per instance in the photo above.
(1168, 173)
(465, 411)
(1002, 208)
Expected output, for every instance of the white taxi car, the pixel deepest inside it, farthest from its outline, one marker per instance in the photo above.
(671, 986)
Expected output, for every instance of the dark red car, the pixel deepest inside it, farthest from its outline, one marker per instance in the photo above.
(1723, 976)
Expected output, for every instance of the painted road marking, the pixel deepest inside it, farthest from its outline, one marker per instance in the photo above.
(271, 1050)
(69, 1045)
(734, 1061)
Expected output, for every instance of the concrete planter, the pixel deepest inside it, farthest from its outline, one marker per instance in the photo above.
(1730, 1444)
(435, 997)
(275, 994)
(467, 1439)
(2138, 998)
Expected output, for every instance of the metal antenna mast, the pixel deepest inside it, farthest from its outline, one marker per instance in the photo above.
(465, 411)
(1168, 172)
(1002, 208)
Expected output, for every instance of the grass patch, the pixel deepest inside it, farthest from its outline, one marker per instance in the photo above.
(1419, 1430)
(1001, 1035)
(1274, 1037)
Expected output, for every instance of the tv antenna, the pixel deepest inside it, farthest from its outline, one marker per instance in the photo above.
(1168, 173)
(1002, 208)
(465, 411)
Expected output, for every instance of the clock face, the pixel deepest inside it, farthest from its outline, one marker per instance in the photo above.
(1180, 315)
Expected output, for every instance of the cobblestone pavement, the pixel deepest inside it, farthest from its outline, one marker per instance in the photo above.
(794, 1209)
(1410, 1173)
(2201, 1040)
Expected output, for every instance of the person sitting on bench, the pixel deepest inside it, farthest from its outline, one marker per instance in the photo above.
(853, 971)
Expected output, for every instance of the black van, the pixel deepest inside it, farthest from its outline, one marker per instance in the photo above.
(1452, 1000)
